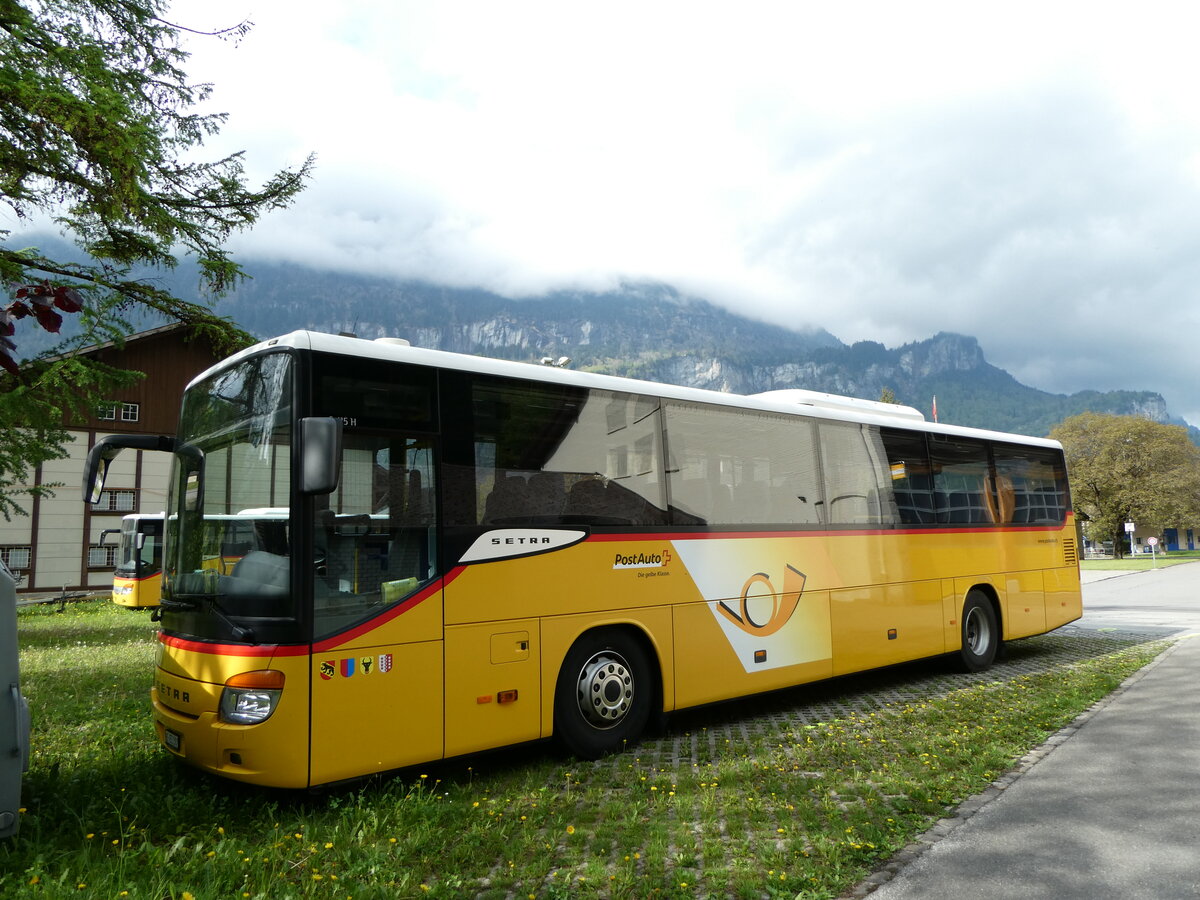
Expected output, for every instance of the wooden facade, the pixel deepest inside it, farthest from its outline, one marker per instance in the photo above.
(57, 547)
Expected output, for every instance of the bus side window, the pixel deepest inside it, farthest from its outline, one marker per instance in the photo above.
(730, 468)
(961, 481)
(1037, 482)
(853, 462)
(910, 479)
(554, 455)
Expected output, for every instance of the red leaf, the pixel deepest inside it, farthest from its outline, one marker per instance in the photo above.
(8, 363)
(68, 300)
(19, 310)
(48, 318)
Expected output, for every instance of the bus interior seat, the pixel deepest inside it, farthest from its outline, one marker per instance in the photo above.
(509, 499)
(588, 498)
(547, 495)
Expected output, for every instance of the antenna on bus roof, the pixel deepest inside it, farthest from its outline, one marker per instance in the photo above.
(820, 400)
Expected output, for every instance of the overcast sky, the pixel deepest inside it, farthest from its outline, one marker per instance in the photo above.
(1027, 173)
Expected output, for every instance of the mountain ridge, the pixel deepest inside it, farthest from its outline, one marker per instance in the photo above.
(649, 331)
(654, 332)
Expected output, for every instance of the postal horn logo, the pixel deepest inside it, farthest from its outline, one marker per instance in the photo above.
(762, 610)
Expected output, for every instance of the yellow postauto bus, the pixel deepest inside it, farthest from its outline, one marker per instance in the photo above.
(455, 553)
(137, 578)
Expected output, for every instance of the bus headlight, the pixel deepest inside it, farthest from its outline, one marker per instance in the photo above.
(251, 697)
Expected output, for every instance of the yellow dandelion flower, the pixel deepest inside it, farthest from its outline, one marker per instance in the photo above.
(570, 829)
(328, 846)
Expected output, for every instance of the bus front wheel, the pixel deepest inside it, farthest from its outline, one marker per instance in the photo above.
(980, 633)
(604, 694)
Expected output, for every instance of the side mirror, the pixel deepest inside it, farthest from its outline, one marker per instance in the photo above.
(107, 448)
(320, 454)
(191, 460)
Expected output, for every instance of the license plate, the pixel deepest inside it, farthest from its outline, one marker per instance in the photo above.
(173, 740)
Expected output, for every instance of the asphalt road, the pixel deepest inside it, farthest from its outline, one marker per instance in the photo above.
(1165, 600)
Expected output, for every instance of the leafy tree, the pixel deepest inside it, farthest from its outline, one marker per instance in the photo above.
(98, 134)
(1127, 468)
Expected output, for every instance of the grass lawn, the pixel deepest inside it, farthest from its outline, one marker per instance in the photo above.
(1141, 562)
(779, 809)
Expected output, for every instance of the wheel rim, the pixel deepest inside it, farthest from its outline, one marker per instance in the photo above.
(605, 689)
(978, 632)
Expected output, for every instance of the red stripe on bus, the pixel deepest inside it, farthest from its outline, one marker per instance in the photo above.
(233, 649)
(383, 618)
(272, 650)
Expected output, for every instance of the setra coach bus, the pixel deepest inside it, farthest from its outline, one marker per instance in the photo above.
(442, 554)
(137, 578)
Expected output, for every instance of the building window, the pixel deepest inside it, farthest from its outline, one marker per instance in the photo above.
(16, 557)
(102, 557)
(116, 501)
(129, 412)
(106, 411)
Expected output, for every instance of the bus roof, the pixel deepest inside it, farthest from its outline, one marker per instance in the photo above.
(791, 401)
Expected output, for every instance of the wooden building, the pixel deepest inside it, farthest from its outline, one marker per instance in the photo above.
(57, 546)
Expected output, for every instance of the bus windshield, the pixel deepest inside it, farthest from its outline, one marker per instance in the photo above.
(139, 553)
(228, 521)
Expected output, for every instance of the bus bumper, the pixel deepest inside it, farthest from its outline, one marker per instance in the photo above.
(273, 753)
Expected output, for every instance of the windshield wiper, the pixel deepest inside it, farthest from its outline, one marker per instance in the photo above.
(240, 632)
(191, 601)
(171, 604)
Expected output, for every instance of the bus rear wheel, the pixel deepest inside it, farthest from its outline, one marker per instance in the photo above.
(604, 694)
(980, 633)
